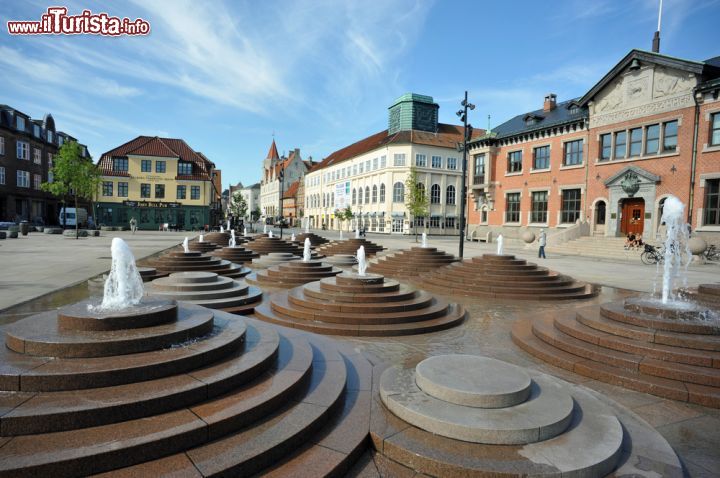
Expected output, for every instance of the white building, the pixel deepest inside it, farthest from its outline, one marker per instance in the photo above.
(251, 194)
(369, 175)
(294, 168)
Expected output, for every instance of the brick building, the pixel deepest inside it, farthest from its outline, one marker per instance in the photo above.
(27, 149)
(606, 161)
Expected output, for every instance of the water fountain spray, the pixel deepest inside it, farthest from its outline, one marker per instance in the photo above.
(222, 229)
(424, 239)
(292, 237)
(270, 234)
(202, 238)
(186, 245)
(244, 231)
(362, 262)
(228, 224)
(341, 234)
(232, 242)
(357, 233)
(500, 241)
(677, 252)
(124, 286)
(306, 250)
(307, 225)
(264, 228)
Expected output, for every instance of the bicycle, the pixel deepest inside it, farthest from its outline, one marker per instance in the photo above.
(712, 253)
(652, 255)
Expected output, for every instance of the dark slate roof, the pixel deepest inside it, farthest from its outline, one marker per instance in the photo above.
(715, 61)
(543, 119)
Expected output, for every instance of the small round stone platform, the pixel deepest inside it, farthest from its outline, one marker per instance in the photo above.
(273, 259)
(370, 305)
(344, 261)
(237, 254)
(292, 274)
(555, 430)
(350, 246)
(180, 261)
(315, 240)
(505, 277)
(411, 263)
(222, 239)
(209, 290)
(669, 350)
(266, 245)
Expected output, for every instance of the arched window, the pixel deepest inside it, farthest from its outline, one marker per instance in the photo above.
(435, 194)
(450, 196)
(360, 196)
(332, 200)
(421, 190)
(382, 193)
(367, 194)
(324, 200)
(398, 192)
(374, 196)
(354, 197)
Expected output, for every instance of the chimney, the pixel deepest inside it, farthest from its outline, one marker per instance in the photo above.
(550, 102)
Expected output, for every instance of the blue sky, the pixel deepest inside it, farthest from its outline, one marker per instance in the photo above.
(320, 74)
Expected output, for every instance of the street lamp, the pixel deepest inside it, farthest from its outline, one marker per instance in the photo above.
(467, 132)
(282, 184)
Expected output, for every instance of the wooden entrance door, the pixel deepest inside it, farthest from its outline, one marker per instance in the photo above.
(633, 216)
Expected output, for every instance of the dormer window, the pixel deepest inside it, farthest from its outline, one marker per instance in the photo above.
(532, 119)
(20, 123)
(184, 169)
(49, 136)
(36, 131)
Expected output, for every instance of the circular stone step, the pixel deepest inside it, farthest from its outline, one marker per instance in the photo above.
(547, 412)
(473, 381)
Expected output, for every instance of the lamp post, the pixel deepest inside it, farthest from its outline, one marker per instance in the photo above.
(281, 176)
(467, 132)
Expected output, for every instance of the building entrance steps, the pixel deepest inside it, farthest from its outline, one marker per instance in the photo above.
(504, 276)
(612, 248)
(275, 401)
(626, 344)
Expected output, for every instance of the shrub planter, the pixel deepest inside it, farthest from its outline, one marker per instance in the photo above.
(12, 234)
(107, 228)
(71, 233)
(53, 230)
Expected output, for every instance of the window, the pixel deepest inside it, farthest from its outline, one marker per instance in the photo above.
(37, 156)
(449, 223)
(375, 163)
(122, 189)
(159, 191)
(420, 189)
(573, 153)
(360, 195)
(541, 157)
(194, 192)
(620, 145)
(367, 165)
(367, 194)
(120, 164)
(635, 142)
(184, 169)
(715, 129)
(652, 139)
(160, 166)
(60, 140)
(512, 207)
(2, 175)
(398, 192)
(570, 206)
(479, 172)
(670, 133)
(362, 167)
(23, 179)
(23, 150)
(383, 161)
(539, 207)
(36, 131)
(450, 196)
(49, 136)
(354, 196)
(605, 147)
(420, 160)
(514, 162)
(37, 179)
(20, 123)
(382, 193)
(355, 170)
(436, 162)
(145, 165)
(452, 163)
(107, 188)
(144, 190)
(435, 194)
(419, 221)
(434, 221)
(374, 194)
(2, 145)
(399, 160)
(711, 208)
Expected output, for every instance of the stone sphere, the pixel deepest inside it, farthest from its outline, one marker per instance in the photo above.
(697, 245)
(528, 236)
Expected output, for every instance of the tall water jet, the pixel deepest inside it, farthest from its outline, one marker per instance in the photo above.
(228, 224)
(244, 231)
(264, 228)
(306, 250)
(232, 242)
(500, 245)
(341, 234)
(124, 286)
(362, 262)
(270, 234)
(307, 225)
(424, 239)
(677, 253)
(292, 237)
(357, 233)
(186, 245)
(222, 229)
(202, 238)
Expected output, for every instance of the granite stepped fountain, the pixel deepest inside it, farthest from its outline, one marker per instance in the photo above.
(180, 261)
(140, 386)
(505, 276)
(202, 245)
(295, 272)
(266, 245)
(236, 254)
(315, 240)
(411, 263)
(473, 416)
(349, 246)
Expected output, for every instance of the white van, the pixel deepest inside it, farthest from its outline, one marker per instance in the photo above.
(80, 214)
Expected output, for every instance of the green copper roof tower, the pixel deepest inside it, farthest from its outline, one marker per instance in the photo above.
(412, 111)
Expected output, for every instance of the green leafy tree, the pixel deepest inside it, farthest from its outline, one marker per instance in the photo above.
(416, 201)
(238, 206)
(73, 175)
(255, 214)
(345, 215)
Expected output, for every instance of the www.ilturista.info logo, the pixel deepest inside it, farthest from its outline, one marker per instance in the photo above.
(57, 22)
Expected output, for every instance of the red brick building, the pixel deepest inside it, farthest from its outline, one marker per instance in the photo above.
(606, 161)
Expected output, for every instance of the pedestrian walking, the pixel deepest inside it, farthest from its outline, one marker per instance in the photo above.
(542, 241)
(133, 225)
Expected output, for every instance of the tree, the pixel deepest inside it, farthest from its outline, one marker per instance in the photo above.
(344, 214)
(73, 174)
(255, 214)
(416, 201)
(238, 206)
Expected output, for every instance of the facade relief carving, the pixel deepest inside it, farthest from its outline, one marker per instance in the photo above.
(668, 82)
